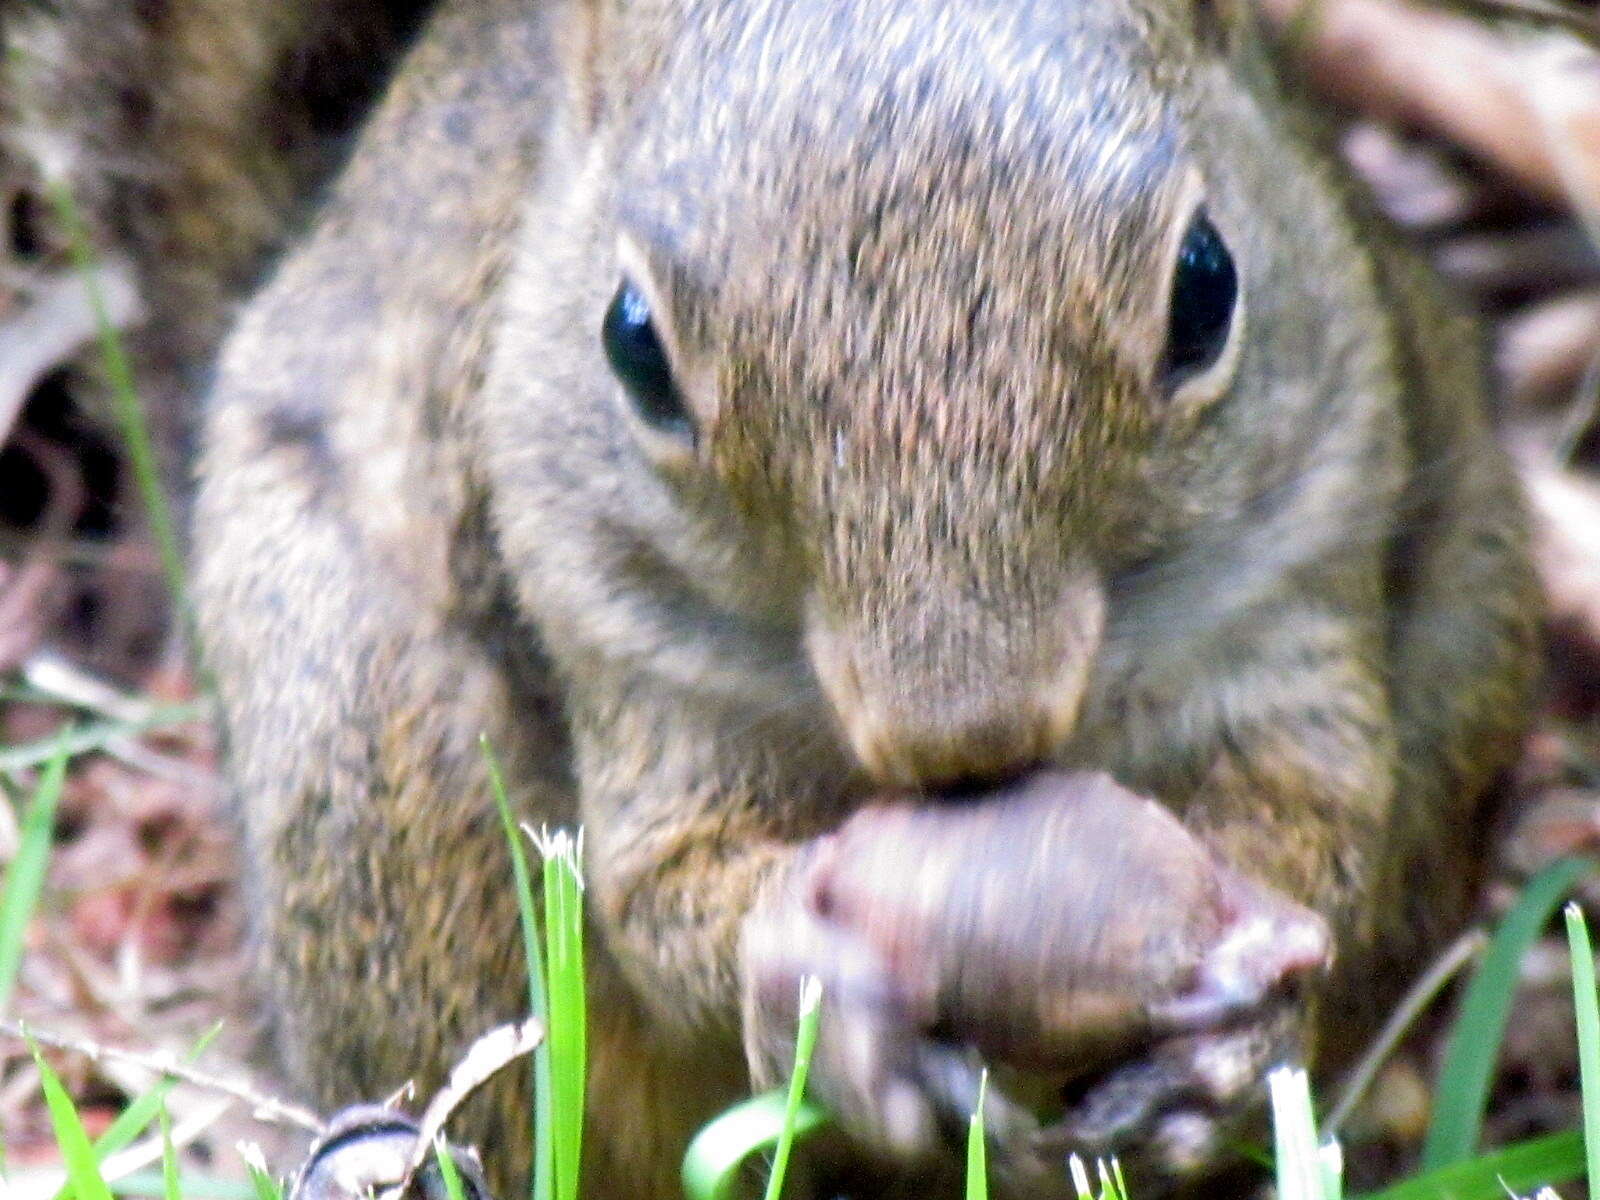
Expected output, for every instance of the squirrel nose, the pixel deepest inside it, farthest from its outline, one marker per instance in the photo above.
(914, 750)
(917, 730)
(945, 686)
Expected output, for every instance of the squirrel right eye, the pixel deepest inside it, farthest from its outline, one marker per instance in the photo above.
(1205, 288)
(639, 362)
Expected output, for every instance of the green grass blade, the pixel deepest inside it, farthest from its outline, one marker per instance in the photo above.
(125, 399)
(1463, 1088)
(262, 1184)
(94, 735)
(1330, 1157)
(447, 1170)
(133, 1120)
(1112, 1185)
(1294, 1134)
(977, 1147)
(83, 1169)
(1586, 1010)
(804, 1043)
(563, 922)
(543, 1120)
(1081, 1187)
(1551, 1160)
(25, 879)
(712, 1166)
(169, 1161)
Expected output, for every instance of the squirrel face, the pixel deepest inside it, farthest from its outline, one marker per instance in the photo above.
(921, 323)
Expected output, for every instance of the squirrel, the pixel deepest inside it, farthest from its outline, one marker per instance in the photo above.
(748, 413)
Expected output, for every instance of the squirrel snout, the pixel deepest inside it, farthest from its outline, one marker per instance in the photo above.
(925, 754)
(932, 690)
(926, 729)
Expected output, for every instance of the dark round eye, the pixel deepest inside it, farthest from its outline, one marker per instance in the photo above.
(636, 356)
(1204, 289)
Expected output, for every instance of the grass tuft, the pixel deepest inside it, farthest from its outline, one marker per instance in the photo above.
(447, 1170)
(805, 1042)
(1306, 1170)
(566, 1002)
(1514, 1170)
(1586, 1010)
(1330, 1157)
(169, 1160)
(262, 1181)
(77, 1153)
(716, 1157)
(543, 1088)
(1112, 1185)
(978, 1147)
(136, 1117)
(131, 422)
(25, 879)
(1462, 1093)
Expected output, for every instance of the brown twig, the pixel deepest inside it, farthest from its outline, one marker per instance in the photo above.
(265, 1107)
(1459, 953)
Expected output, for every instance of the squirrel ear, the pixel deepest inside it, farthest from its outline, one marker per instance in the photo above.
(604, 51)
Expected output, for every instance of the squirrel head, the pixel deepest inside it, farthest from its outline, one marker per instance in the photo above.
(918, 319)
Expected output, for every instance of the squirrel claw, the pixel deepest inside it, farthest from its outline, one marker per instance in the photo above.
(1167, 1114)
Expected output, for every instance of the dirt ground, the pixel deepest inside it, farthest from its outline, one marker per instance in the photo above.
(1478, 133)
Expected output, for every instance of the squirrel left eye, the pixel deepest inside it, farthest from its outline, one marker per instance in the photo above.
(632, 347)
(1205, 288)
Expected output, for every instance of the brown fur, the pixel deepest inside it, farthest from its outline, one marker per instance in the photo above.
(941, 523)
